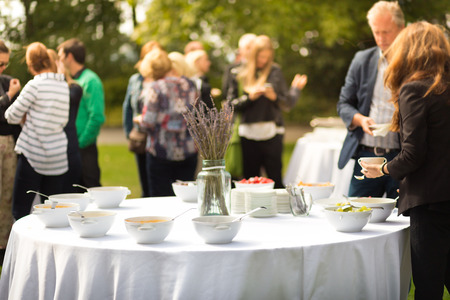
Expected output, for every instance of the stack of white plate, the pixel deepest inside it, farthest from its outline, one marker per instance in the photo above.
(255, 198)
(283, 205)
(238, 201)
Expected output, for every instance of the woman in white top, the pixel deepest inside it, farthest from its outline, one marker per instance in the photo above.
(43, 108)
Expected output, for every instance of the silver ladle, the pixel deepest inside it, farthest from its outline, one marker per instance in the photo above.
(80, 186)
(182, 213)
(249, 213)
(53, 203)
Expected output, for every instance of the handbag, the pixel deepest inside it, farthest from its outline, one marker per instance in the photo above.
(137, 141)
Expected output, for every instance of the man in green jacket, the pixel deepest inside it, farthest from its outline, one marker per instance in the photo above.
(91, 113)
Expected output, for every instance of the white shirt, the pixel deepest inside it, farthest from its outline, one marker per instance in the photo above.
(381, 111)
(45, 102)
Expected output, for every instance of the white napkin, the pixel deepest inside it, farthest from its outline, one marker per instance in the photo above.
(380, 129)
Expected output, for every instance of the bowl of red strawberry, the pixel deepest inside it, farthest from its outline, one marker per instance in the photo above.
(255, 182)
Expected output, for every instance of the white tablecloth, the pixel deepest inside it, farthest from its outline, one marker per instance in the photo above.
(315, 159)
(282, 257)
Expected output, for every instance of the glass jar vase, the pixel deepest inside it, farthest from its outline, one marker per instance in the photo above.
(214, 188)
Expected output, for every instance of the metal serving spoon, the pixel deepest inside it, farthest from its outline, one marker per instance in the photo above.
(53, 203)
(249, 213)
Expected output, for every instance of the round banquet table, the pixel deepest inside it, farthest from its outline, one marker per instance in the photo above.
(315, 158)
(281, 257)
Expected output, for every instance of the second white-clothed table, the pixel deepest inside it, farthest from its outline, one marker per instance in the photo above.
(282, 257)
(315, 159)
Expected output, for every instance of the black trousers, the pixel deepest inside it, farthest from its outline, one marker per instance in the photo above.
(90, 170)
(28, 179)
(430, 252)
(263, 154)
(162, 173)
(141, 161)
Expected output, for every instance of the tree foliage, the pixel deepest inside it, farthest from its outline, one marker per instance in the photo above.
(314, 37)
(318, 38)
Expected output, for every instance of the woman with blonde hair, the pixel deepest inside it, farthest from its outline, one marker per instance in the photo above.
(43, 108)
(265, 96)
(419, 78)
(171, 153)
(132, 107)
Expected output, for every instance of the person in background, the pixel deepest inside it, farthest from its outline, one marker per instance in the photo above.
(73, 176)
(43, 108)
(364, 101)
(230, 91)
(199, 63)
(418, 76)
(9, 89)
(179, 64)
(266, 95)
(132, 107)
(229, 82)
(192, 46)
(91, 113)
(171, 150)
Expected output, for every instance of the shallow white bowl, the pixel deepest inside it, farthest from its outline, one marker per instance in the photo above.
(186, 191)
(94, 223)
(378, 215)
(54, 217)
(149, 229)
(108, 196)
(269, 185)
(318, 190)
(347, 221)
(216, 229)
(81, 198)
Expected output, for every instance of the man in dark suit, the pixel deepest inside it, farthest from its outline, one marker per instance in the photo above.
(364, 102)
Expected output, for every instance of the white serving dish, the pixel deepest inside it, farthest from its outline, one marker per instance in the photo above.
(378, 215)
(347, 221)
(92, 224)
(146, 231)
(108, 196)
(54, 217)
(319, 190)
(81, 198)
(269, 185)
(186, 190)
(216, 229)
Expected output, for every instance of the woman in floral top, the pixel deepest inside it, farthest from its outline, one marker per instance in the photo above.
(171, 151)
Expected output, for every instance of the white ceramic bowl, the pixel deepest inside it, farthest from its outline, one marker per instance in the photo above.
(318, 190)
(372, 160)
(186, 191)
(347, 221)
(333, 201)
(269, 185)
(94, 223)
(149, 229)
(108, 196)
(378, 215)
(54, 217)
(216, 229)
(81, 198)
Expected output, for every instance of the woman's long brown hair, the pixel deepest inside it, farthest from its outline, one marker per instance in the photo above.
(420, 52)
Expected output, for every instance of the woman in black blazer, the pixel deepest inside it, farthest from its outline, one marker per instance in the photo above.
(419, 78)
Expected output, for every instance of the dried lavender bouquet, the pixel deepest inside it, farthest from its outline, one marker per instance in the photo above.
(211, 131)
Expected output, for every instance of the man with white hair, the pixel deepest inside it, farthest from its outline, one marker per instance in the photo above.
(364, 102)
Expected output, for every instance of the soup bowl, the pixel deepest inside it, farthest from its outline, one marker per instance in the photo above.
(108, 196)
(216, 229)
(89, 224)
(54, 215)
(81, 198)
(149, 229)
